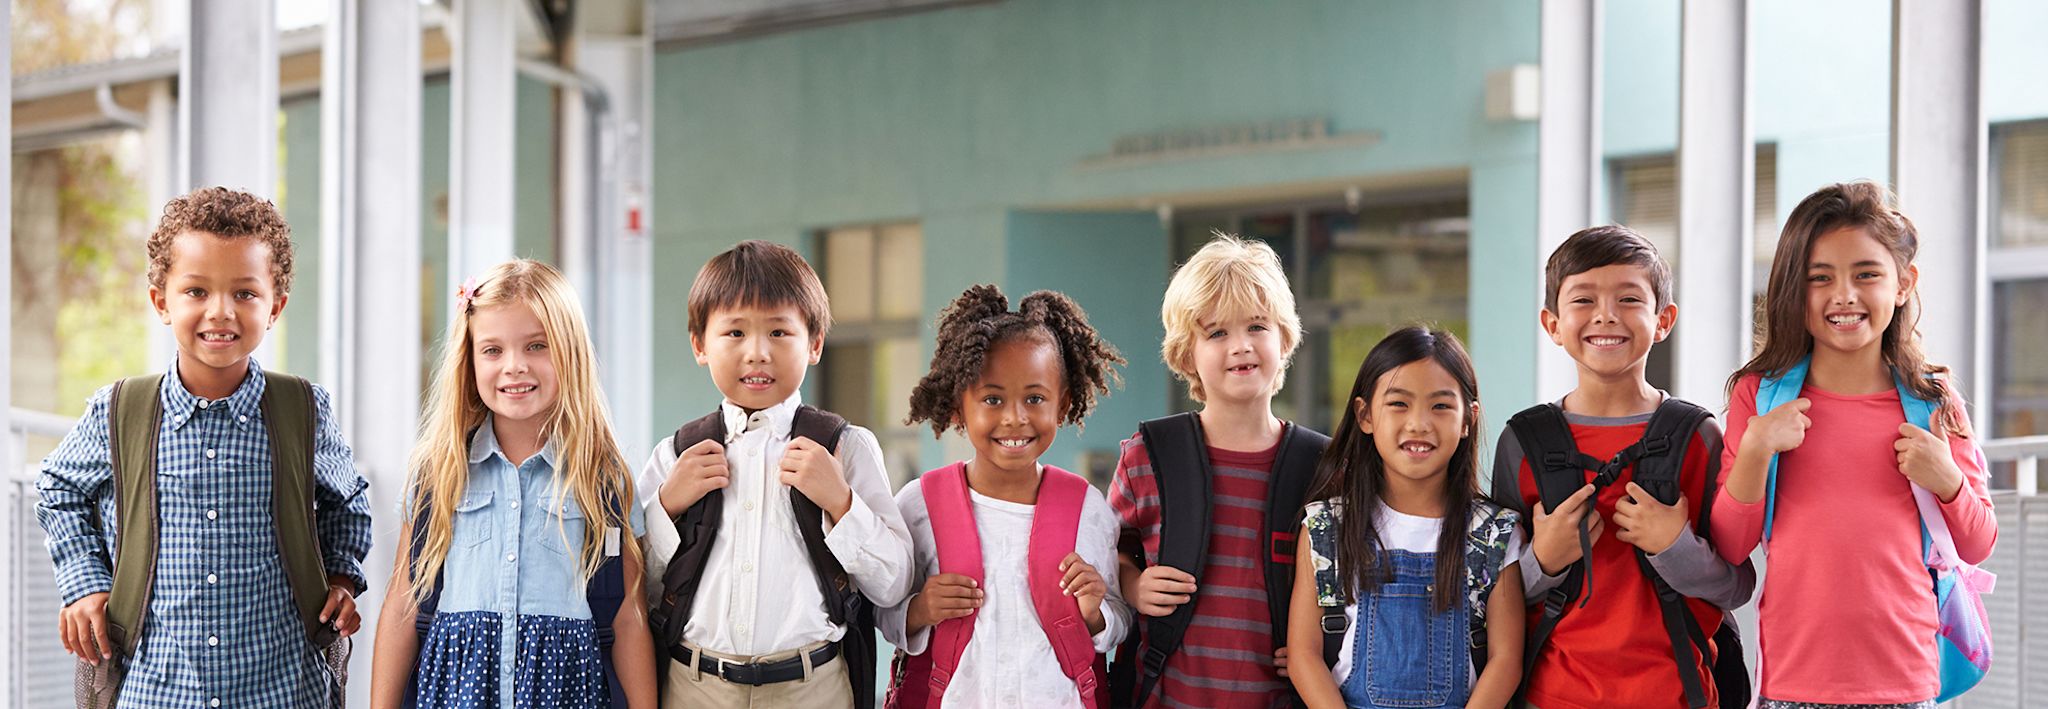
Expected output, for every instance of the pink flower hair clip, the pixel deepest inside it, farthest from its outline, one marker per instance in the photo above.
(466, 293)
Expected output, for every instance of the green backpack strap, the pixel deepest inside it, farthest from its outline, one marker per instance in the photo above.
(288, 416)
(133, 411)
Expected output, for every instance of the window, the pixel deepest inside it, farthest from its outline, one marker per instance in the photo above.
(1357, 275)
(875, 278)
(2019, 275)
(1644, 195)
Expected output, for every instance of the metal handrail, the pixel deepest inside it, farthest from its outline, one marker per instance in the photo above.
(2025, 453)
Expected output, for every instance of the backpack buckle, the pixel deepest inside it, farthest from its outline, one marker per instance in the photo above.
(1658, 446)
(1334, 623)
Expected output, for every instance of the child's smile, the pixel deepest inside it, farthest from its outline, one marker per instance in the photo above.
(515, 369)
(1239, 359)
(1415, 420)
(219, 297)
(1854, 290)
(757, 354)
(1013, 411)
(1607, 318)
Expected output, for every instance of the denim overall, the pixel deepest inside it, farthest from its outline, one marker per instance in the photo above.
(1404, 654)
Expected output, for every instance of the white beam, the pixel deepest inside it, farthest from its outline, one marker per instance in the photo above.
(620, 253)
(1716, 199)
(1568, 159)
(482, 91)
(370, 206)
(1938, 159)
(227, 104)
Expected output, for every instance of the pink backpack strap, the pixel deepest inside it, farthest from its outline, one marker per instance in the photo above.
(959, 545)
(1055, 521)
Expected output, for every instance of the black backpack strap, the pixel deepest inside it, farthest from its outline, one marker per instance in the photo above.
(697, 526)
(844, 603)
(606, 592)
(1657, 471)
(1294, 469)
(1560, 470)
(1177, 450)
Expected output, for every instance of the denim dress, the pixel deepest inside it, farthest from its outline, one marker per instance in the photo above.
(1403, 653)
(514, 628)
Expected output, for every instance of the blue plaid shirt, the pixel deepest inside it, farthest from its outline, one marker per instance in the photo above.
(222, 630)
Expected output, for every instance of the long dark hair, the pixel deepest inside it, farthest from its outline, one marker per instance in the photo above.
(1352, 472)
(1782, 337)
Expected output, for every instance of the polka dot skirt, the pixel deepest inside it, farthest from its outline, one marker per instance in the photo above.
(558, 663)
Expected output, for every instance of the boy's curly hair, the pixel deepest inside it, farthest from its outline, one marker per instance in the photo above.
(980, 319)
(229, 214)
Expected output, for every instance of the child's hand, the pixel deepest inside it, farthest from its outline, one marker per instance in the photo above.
(698, 471)
(340, 611)
(813, 471)
(945, 597)
(1556, 539)
(1280, 661)
(1161, 589)
(1924, 458)
(1783, 429)
(1650, 525)
(1081, 581)
(83, 628)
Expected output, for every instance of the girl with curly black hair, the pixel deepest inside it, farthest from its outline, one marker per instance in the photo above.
(1009, 580)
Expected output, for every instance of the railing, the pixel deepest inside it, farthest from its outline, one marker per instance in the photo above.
(2019, 627)
(38, 672)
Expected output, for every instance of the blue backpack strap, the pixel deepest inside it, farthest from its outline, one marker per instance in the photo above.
(1772, 392)
(1919, 412)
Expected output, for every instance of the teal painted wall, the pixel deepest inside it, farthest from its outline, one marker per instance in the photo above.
(299, 199)
(1101, 260)
(973, 120)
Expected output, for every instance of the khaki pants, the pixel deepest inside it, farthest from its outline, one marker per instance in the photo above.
(822, 686)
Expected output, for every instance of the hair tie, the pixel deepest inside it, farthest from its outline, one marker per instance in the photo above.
(466, 293)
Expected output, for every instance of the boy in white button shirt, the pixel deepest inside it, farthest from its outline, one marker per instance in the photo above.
(777, 547)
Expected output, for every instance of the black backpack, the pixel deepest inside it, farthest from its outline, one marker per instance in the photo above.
(1180, 468)
(1560, 470)
(698, 526)
(605, 592)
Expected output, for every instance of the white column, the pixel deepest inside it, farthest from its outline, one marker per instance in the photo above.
(8, 454)
(1568, 160)
(611, 47)
(227, 104)
(1938, 159)
(1716, 199)
(482, 91)
(370, 314)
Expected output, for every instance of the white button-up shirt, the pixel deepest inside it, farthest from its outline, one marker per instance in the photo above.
(759, 594)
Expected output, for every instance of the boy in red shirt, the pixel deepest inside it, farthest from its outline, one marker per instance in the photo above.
(1623, 524)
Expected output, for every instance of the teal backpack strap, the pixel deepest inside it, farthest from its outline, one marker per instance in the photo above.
(1771, 393)
(1919, 412)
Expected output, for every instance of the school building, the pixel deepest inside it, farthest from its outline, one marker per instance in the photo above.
(1410, 161)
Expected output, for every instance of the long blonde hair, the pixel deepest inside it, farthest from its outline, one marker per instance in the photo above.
(589, 464)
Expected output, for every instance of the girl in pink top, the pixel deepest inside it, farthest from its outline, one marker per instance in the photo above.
(1847, 616)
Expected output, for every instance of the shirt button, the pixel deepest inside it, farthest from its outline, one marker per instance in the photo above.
(209, 454)
(214, 703)
(213, 514)
(242, 419)
(514, 556)
(212, 640)
(747, 567)
(204, 403)
(749, 505)
(515, 504)
(212, 579)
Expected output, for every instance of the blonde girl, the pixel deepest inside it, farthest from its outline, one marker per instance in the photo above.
(512, 582)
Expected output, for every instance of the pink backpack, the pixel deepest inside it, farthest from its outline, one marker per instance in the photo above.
(921, 680)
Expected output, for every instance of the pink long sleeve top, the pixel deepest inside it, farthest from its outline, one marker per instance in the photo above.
(1847, 613)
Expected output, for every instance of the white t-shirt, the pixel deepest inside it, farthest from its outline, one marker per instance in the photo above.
(1412, 534)
(1009, 661)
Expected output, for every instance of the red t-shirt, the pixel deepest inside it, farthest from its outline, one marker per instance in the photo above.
(1614, 651)
(1226, 659)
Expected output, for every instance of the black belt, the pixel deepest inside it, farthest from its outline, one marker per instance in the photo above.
(755, 674)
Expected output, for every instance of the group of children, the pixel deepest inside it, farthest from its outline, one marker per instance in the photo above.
(208, 530)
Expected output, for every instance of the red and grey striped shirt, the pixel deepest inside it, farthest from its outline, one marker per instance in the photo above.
(1226, 659)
